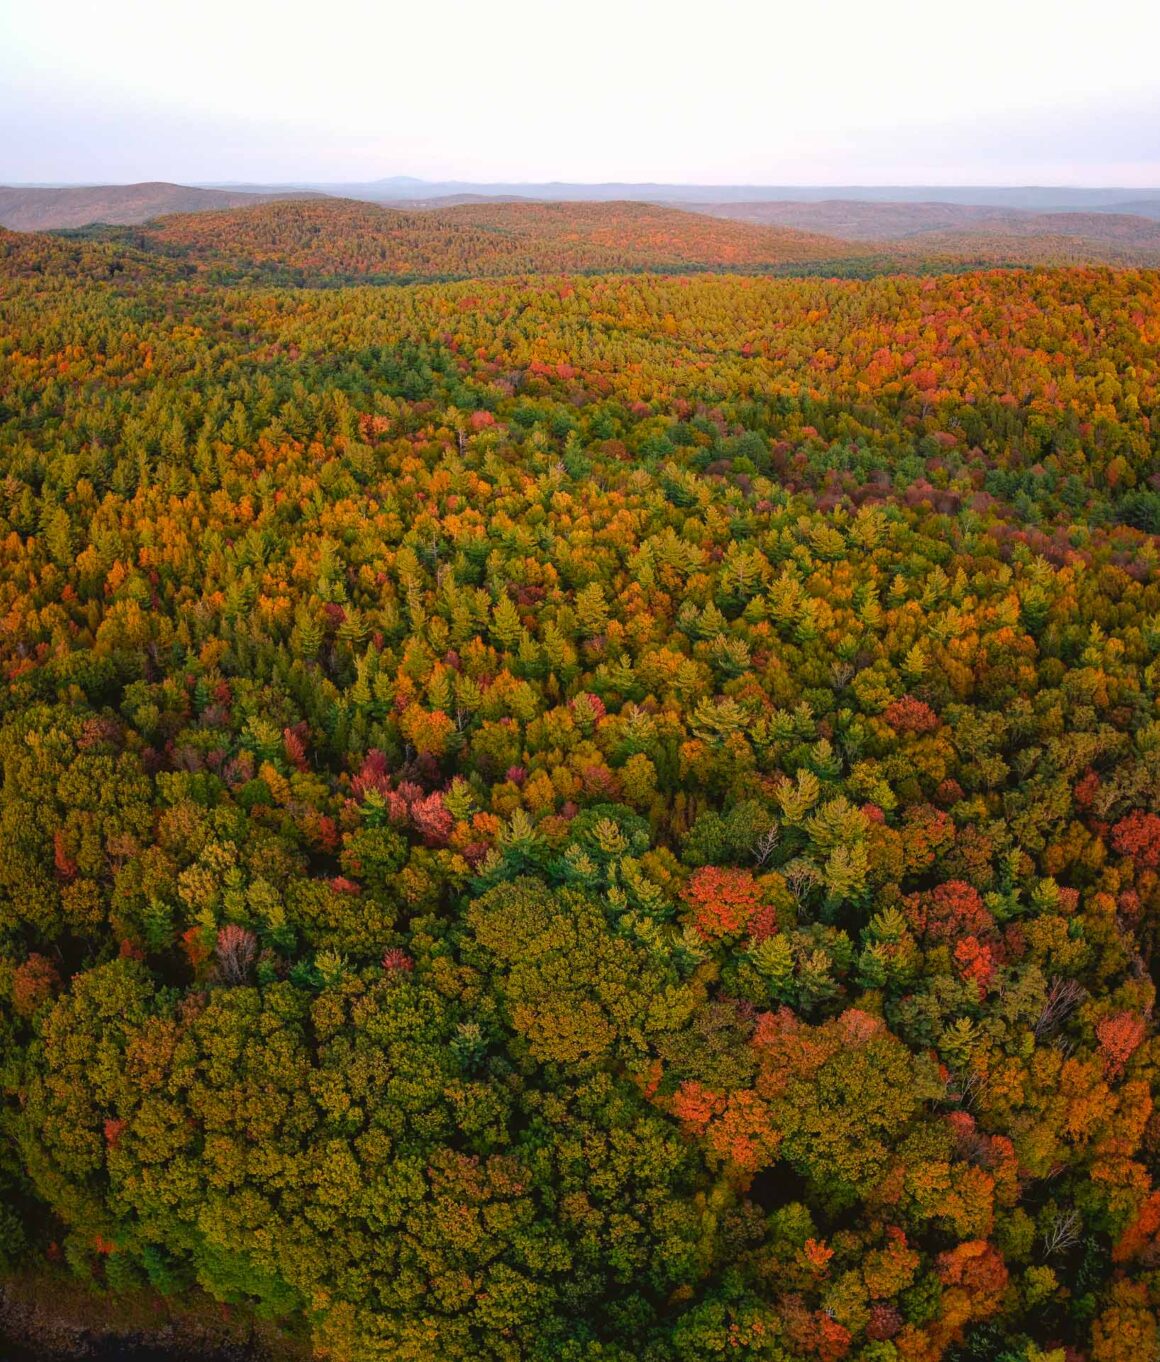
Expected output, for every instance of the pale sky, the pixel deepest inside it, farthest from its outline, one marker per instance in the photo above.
(714, 92)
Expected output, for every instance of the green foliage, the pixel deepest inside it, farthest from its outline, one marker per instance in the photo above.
(580, 817)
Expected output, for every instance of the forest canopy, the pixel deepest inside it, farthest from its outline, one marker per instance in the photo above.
(593, 817)
(327, 242)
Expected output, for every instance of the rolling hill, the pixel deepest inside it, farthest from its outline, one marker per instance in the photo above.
(974, 231)
(1036, 198)
(43, 210)
(321, 241)
(341, 239)
(861, 220)
(1028, 248)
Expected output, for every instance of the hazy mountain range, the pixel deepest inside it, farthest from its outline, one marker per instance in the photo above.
(1033, 198)
(44, 208)
(47, 207)
(1031, 226)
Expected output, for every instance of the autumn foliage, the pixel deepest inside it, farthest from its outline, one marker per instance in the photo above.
(724, 900)
(594, 816)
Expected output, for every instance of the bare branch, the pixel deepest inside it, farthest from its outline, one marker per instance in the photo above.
(766, 844)
(1064, 996)
(1063, 1233)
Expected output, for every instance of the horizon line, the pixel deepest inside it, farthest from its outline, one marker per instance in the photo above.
(403, 180)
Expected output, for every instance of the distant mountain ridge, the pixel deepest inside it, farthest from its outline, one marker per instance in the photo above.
(327, 241)
(860, 220)
(397, 228)
(1032, 197)
(42, 209)
(49, 208)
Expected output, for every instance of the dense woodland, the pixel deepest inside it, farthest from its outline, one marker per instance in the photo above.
(328, 242)
(591, 819)
(1013, 236)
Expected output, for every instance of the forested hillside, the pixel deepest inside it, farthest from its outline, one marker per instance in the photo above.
(322, 241)
(341, 239)
(1019, 236)
(592, 819)
(35, 209)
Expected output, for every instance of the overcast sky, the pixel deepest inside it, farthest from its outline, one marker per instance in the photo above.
(716, 92)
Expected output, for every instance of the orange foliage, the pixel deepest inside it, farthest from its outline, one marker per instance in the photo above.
(1119, 1038)
(1138, 836)
(723, 900)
